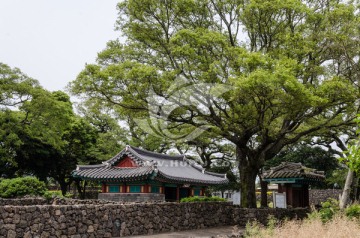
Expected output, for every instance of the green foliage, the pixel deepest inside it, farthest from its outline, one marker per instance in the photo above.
(52, 194)
(352, 159)
(313, 157)
(57, 193)
(353, 211)
(337, 177)
(256, 229)
(329, 209)
(18, 187)
(203, 199)
(292, 77)
(253, 229)
(41, 135)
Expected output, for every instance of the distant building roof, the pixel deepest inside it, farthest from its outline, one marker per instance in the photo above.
(293, 172)
(161, 167)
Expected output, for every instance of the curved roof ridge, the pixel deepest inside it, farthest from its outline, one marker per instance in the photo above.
(88, 166)
(292, 169)
(116, 157)
(195, 165)
(215, 174)
(141, 152)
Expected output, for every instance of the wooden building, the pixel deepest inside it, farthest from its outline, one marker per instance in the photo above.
(294, 180)
(138, 175)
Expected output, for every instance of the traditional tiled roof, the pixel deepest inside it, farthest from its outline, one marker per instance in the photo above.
(288, 170)
(113, 173)
(162, 167)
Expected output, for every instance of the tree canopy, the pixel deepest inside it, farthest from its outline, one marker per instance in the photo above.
(41, 135)
(259, 74)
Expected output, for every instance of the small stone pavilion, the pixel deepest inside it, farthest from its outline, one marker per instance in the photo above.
(294, 180)
(138, 175)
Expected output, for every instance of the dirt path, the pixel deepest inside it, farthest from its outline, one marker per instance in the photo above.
(208, 232)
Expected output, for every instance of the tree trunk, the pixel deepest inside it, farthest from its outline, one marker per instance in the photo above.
(247, 185)
(81, 188)
(264, 189)
(63, 187)
(344, 200)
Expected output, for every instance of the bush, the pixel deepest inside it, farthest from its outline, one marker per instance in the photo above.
(329, 209)
(256, 229)
(353, 211)
(19, 187)
(52, 194)
(203, 199)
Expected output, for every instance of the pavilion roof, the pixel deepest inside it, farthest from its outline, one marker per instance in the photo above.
(162, 167)
(290, 170)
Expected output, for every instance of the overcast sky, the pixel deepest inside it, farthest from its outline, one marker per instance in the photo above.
(52, 40)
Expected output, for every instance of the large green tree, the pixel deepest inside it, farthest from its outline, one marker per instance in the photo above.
(260, 74)
(41, 135)
(28, 111)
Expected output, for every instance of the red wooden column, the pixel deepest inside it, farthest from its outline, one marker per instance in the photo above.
(146, 188)
(289, 194)
(103, 188)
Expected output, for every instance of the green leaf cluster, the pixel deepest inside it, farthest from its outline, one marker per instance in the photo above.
(203, 199)
(292, 66)
(19, 187)
(329, 209)
(352, 159)
(353, 211)
(41, 135)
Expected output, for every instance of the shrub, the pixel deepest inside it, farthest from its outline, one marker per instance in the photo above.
(256, 229)
(353, 211)
(18, 187)
(52, 194)
(203, 199)
(329, 209)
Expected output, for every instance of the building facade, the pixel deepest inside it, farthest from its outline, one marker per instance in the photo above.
(135, 174)
(294, 179)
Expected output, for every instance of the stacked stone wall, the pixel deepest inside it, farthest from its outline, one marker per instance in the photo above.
(116, 220)
(243, 215)
(133, 197)
(317, 196)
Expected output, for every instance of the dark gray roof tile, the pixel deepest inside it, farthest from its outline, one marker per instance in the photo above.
(172, 167)
(292, 170)
(113, 173)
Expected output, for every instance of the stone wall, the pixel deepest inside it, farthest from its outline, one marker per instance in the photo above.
(23, 201)
(242, 215)
(112, 220)
(316, 196)
(133, 197)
